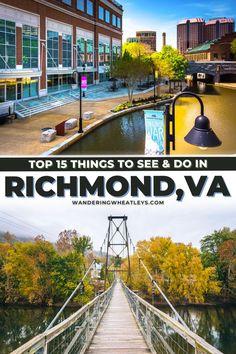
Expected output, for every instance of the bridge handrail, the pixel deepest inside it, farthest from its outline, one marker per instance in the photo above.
(200, 345)
(42, 340)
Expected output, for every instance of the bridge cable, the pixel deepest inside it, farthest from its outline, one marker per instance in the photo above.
(159, 289)
(71, 296)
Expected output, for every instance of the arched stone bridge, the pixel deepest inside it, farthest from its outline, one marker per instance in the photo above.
(214, 68)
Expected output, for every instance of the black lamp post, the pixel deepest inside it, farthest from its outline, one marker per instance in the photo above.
(80, 101)
(200, 135)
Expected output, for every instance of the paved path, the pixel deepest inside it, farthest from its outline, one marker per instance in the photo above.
(22, 137)
(118, 331)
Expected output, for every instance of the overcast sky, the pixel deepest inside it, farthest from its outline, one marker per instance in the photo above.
(162, 16)
(186, 221)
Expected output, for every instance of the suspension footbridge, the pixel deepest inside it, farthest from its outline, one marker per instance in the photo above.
(118, 320)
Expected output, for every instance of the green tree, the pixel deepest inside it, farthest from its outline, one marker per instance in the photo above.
(233, 46)
(130, 69)
(176, 62)
(82, 244)
(161, 67)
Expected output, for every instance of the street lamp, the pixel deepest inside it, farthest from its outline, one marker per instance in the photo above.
(80, 101)
(200, 135)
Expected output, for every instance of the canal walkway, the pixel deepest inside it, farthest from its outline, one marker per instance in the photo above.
(22, 136)
(118, 331)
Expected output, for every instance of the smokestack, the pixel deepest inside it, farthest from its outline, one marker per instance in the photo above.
(163, 39)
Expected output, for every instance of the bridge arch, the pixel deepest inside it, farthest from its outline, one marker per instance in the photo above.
(208, 79)
(229, 77)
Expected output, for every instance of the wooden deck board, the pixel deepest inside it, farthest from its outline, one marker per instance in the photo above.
(118, 332)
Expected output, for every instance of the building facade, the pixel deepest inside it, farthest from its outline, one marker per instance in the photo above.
(149, 38)
(132, 40)
(218, 27)
(44, 44)
(215, 50)
(195, 31)
(190, 33)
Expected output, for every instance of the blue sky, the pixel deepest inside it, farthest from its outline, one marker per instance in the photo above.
(162, 16)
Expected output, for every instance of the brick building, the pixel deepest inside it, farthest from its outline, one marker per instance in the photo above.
(215, 50)
(195, 31)
(43, 44)
(149, 38)
(218, 27)
(190, 33)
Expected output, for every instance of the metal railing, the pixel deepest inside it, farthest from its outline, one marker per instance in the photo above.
(73, 335)
(163, 334)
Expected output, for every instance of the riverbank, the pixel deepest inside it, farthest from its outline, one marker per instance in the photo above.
(22, 136)
(227, 85)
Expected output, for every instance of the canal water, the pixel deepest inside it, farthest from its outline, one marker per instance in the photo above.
(126, 135)
(216, 324)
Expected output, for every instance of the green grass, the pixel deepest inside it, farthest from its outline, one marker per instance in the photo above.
(139, 102)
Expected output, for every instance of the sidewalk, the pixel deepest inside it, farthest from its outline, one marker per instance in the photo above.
(22, 137)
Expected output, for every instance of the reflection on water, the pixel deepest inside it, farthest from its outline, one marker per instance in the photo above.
(126, 135)
(20, 324)
(216, 324)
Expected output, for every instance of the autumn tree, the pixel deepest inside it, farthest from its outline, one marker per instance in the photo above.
(8, 237)
(218, 251)
(136, 50)
(177, 268)
(27, 269)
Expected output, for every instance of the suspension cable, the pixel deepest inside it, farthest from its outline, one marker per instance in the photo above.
(71, 296)
(154, 282)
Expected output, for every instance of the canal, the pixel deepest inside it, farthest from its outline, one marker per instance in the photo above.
(216, 324)
(126, 135)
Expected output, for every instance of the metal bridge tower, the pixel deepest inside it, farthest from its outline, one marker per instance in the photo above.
(117, 244)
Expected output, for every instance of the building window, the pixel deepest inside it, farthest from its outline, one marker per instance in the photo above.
(66, 51)
(116, 52)
(90, 50)
(89, 7)
(52, 49)
(80, 5)
(118, 22)
(85, 52)
(29, 87)
(30, 46)
(114, 20)
(7, 44)
(67, 2)
(101, 54)
(107, 16)
(80, 51)
(104, 54)
(101, 13)
(107, 54)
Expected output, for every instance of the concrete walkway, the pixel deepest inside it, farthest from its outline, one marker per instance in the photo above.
(22, 137)
(118, 332)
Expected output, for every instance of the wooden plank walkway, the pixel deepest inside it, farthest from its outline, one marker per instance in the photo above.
(118, 331)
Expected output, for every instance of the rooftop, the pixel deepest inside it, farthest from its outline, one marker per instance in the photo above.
(191, 20)
(202, 47)
(213, 21)
(117, 4)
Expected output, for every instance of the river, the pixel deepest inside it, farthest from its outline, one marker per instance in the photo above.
(126, 135)
(216, 324)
